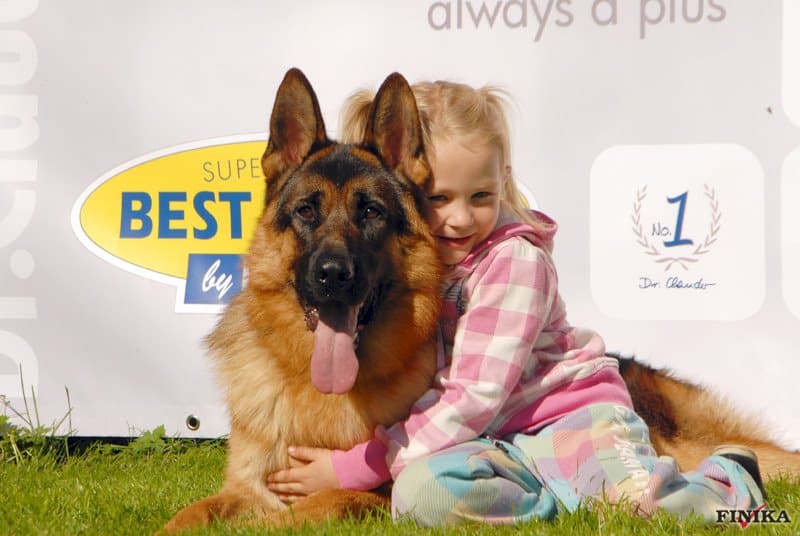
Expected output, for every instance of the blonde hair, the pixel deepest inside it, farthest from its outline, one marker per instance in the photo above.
(449, 110)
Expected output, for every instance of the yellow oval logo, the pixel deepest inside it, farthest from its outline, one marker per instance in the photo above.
(182, 215)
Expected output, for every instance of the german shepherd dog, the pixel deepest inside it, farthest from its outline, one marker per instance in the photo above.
(335, 331)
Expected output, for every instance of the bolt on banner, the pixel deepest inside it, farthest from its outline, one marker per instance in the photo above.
(181, 216)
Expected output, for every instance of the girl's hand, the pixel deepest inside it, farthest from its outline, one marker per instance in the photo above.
(311, 470)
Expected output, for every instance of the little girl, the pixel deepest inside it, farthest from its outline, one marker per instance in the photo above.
(527, 415)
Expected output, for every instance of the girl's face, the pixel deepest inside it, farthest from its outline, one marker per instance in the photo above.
(464, 196)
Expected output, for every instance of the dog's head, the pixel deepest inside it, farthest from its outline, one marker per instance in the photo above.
(347, 209)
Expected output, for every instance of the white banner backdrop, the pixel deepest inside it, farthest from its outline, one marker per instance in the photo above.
(662, 135)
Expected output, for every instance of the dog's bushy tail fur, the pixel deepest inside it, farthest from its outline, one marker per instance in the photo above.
(688, 421)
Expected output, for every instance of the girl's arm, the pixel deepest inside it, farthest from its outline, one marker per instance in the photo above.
(511, 294)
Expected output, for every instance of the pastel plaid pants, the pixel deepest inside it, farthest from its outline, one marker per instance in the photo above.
(602, 451)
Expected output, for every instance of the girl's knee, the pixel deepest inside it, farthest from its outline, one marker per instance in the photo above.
(411, 478)
(418, 494)
(431, 490)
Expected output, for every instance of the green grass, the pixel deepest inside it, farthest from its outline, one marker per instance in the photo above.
(105, 489)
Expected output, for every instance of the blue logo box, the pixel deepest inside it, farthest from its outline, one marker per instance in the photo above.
(213, 279)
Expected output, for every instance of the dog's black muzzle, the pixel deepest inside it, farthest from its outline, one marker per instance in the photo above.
(332, 276)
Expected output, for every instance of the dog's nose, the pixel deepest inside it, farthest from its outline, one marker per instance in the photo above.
(334, 276)
(334, 272)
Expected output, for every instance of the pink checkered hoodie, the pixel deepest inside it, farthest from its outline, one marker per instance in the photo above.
(509, 363)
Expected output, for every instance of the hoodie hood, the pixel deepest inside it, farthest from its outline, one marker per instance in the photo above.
(509, 226)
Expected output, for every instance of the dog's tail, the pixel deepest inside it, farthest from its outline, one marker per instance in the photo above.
(688, 422)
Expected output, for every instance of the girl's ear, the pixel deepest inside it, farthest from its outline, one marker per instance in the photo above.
(505, 182)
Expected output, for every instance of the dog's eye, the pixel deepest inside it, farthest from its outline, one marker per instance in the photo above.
(305, 211)
(370, 213)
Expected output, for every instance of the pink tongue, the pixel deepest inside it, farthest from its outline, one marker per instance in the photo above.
(334, 365)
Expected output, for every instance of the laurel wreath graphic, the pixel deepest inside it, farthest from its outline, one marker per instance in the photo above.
(702, 248)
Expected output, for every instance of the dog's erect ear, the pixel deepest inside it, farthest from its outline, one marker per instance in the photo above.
(394, 130)
(295, 127)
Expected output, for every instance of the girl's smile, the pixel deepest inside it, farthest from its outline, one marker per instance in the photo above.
(454, 242)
